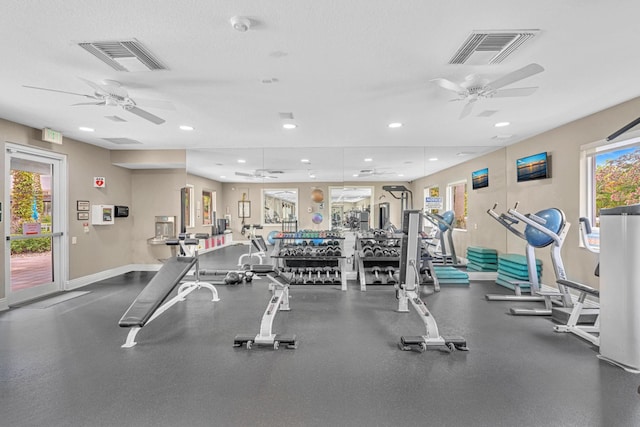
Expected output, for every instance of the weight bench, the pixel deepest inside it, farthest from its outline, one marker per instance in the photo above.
(150, 303)
(585, 332)
(279, 301)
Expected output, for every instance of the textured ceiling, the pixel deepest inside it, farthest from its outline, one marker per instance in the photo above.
(344, 69)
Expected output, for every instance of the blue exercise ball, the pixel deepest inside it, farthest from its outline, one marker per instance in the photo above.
(447, 217)
(271, 237)
(555, 222)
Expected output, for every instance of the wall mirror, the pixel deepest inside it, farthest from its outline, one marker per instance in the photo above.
(279, 204)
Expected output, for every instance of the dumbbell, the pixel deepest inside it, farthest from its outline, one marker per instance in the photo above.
(327, 271)
(300, 279)
(376, 271)
(336, 277)
(310, 278)
(367, 252)
(319, 280)
(390, 272)
(377, 251)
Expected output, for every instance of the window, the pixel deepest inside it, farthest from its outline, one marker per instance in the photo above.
(188, 209)
(208, 206)
(612, 176)
(457, 202)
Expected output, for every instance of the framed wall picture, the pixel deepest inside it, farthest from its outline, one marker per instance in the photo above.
(244, 209)
(83, 216)
(82, 205)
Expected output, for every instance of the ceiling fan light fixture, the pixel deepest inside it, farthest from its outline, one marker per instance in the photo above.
(240, 23)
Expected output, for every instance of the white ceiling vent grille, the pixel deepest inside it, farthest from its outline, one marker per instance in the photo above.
(490, 47)
(286, 116)
(128, 55)
(122, 141)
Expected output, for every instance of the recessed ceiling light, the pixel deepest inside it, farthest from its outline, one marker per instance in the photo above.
(305, 160)
(86, 129)
(222, 176)
(356, 175)
(400, 174)
(311, 176)
(395, 125)
(368, 159)
(433, 159)
(186, 127)
(501, 124)
(289, 126)
(242, 161)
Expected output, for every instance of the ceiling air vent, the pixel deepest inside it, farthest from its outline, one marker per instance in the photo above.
(286, 116)
(490, 47)
(122, 141)
(128, 55)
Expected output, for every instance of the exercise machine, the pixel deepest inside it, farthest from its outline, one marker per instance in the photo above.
(590, 240)
(150, 303)
(279, 301)
(545, 228)
(255, 242)
(408, 291)
(443, 252)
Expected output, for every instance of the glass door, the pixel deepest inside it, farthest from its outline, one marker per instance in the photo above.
(35, 223)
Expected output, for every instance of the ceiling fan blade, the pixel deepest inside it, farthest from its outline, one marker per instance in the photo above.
(145, 115)
(60, 91)
(250, 175)
(99, 89)
(467, 109)
(515, 76)
(449, 85)
(89, 103)
(521, 91)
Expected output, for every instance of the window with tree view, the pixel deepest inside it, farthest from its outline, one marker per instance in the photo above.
(614, 176)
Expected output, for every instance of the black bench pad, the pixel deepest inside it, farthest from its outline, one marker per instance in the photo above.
(156, 291)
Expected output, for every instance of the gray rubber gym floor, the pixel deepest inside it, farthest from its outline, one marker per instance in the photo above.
(63, 365)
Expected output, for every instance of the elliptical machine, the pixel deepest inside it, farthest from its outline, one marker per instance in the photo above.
(544, 228)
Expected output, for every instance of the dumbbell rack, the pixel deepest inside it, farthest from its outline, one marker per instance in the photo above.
(320, 262)
(366, 261)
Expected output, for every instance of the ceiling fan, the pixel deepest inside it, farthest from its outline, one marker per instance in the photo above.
(473, 88)
(109, 93)
(261, 174)
(373, 172)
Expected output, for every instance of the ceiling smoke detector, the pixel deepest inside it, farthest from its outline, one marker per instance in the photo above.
(240, 23)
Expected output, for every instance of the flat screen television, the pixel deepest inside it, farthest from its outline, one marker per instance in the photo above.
(533, 167)
(480, 178)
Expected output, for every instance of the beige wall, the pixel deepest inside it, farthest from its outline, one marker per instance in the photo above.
(560, 191)
(156, 192)
(103, 247)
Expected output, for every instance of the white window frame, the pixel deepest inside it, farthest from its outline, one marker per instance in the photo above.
(588, 152)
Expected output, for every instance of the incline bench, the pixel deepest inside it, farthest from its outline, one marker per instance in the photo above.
(150, 303)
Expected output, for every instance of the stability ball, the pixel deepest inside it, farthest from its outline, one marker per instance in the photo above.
(554, 221)
(317, 195)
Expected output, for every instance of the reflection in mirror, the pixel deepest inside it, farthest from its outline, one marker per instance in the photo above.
(350, 207)
(280, 206)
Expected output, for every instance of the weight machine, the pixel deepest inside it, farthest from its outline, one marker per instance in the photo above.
(444, 226)
(545, 228)
(408, 290)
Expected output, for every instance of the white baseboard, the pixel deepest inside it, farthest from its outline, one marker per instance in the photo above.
(107, 274)
(3, 304)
